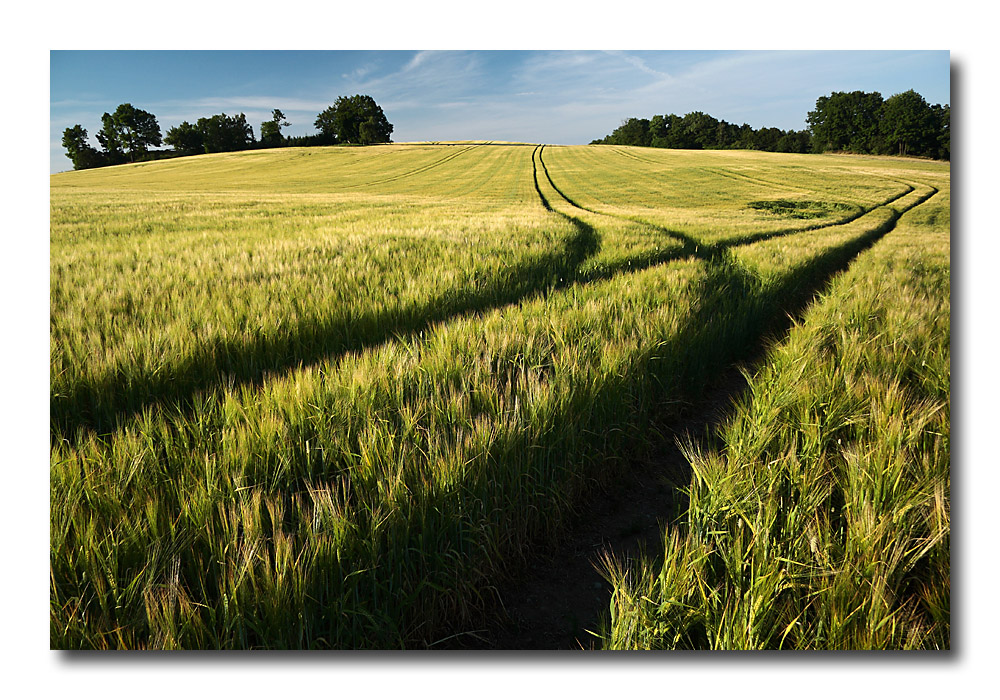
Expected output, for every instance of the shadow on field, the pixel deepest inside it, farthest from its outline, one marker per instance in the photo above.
(513, 578)
(431, 572)
(558, 594)
(102, 406)
(425, 574)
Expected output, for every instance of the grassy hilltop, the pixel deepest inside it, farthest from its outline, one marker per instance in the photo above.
(327, 397)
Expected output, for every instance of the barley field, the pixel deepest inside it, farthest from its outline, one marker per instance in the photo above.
(326, 398)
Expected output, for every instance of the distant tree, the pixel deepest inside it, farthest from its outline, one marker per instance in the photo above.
(110, 140)
(726, 135)
(698, 130)
(270, 131)
(658, 127)
(185, 138)
(910, 125)
(857, 121)
(942, 116)
(82, 154)
(221, 133)
(767, 139)
(744, 136)
(632, 132)
(847, 121)
(129, 131)
(342, 122)
(793, 142)
(368, 132)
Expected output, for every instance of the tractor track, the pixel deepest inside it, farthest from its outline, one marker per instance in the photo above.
(559, 600)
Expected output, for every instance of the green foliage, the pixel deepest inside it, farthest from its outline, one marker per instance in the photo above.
(110, 140)
(858, 122)
(186, 138)
(862, 122)
(82, 154)
(216, 134)
(221, 133)
(357, 119)
(910, 124)
(128, 132)
(697, 130)
(270, 131)
(847, 121)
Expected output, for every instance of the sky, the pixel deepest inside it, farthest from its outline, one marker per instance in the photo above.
(559, 97)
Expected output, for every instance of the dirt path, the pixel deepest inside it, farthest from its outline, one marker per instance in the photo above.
(560, 595)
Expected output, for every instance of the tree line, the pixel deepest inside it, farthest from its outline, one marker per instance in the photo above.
(128, 134)
(698, 130)
(856, 122)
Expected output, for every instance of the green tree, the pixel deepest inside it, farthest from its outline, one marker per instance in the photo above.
(942, 116)
(909, 125)
(793, 142)
(82, 154)
(110, 140)
(185, 138)
(767, 139)
(632, 132)
(699, 130)
(270, 131)
(129, 131)
(847, 121)
(342, 122)
(221, 133)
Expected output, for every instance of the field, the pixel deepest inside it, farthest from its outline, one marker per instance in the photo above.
(329, 397)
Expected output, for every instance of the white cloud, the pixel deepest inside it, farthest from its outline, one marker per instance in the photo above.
(641, 65)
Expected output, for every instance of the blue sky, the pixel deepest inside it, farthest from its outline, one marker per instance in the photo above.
(565, 97)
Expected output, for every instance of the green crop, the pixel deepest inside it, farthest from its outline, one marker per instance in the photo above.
(327, 397)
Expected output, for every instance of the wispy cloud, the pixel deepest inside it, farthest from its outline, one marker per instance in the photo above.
(359, 72)
(245, 102)
(641, 65)
(428, 77)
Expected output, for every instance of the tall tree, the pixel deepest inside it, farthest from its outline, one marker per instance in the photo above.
(82, 154)
(847, 121)
(342, 122)
(110, 140)
(185, 138)
(222, 133)
(909, 125)
(699, 130)
(632, 132)
(943, 118)
(270, 131)
(129, 131)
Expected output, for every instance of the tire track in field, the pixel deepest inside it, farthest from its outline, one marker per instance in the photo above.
(416, 171)
(569, 260)
(753, 238)
(635, 156)
(746, 239)
(102, 406)
(560, 600)
(636, 263)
